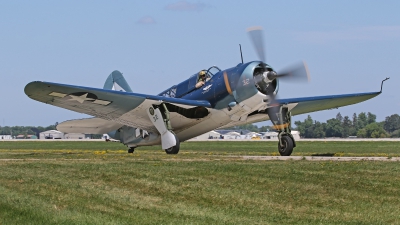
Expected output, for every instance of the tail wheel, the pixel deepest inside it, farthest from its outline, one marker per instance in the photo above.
(174, 149)
(287, 146)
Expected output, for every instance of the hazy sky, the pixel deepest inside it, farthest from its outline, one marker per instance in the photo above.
(350, 46)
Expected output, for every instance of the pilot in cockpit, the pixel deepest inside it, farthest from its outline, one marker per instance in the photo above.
(202, 79)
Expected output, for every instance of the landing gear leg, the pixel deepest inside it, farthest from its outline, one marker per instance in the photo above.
(282, 121)
(159, 116)
(131, 149)
(173, 149)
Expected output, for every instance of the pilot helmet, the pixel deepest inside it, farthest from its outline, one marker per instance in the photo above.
(202, 73)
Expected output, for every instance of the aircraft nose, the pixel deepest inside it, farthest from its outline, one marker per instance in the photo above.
(245, 86)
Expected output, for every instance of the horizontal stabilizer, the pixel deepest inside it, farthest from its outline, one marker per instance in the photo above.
(88, 126)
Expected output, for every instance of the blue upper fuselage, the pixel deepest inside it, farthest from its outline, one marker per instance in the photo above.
(222, 87)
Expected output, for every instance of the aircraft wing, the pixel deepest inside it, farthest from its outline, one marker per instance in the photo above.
(317, 103)
(120, 107)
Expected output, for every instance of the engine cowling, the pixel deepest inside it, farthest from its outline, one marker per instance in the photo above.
(265, 80)
(253, 80)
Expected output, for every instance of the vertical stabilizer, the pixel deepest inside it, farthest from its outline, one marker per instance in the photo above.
(115, 81)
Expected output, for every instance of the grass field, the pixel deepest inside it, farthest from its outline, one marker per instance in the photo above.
(206, 183)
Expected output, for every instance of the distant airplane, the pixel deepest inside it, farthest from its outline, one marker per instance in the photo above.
(243, 94)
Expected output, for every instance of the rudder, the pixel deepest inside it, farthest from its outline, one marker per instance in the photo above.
(116, 81)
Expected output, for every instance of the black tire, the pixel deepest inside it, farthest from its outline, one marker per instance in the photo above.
(131, 150)
(287, 148)
(174, 149)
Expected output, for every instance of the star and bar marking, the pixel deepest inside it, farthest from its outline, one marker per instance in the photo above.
(81, 98)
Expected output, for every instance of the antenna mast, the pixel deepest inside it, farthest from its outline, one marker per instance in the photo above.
(241, 55)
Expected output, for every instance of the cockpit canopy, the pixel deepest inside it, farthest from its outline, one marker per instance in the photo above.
(188, 85)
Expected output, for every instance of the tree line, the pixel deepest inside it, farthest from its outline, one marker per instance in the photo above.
(24, 130)
(32, 130)
(250, 127)
(363, 125)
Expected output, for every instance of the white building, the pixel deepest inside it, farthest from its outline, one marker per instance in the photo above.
(270, 135)
(209, 135)
(5, 137)
(232, 135)
(274, 135)
(51, 134)
(251, 135)
(74, 136)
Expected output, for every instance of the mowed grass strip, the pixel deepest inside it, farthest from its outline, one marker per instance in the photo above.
(115, 190)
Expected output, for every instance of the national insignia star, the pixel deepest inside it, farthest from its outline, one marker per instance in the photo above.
(80, 99)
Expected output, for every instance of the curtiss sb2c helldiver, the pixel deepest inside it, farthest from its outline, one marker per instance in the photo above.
(210, 99)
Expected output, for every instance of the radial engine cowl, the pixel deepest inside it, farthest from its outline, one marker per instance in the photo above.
(265, 81)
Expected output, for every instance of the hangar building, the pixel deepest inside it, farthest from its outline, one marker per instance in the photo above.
(51, 134)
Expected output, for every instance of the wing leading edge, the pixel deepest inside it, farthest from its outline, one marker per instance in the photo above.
(317, 103)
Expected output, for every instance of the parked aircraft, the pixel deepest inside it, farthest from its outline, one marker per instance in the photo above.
(245, 93)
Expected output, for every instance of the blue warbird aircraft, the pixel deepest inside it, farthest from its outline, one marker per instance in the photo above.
(239, 95)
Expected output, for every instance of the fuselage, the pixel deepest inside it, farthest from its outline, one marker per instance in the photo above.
(223, 87)
(233, 94)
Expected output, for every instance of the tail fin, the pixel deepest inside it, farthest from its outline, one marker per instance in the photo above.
(115, 81)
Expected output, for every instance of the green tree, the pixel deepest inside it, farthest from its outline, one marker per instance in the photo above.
(371, 118)
(265, 129)
(354, 122)
(361, 120)
(362, 133)
(392, 123)
(51, 127)
(347, 126)
(372, 130)
(395, 134)
(353, 129)
(249, 127)
(319, 130)
(334, 128)
(304, 127)
(339, 117)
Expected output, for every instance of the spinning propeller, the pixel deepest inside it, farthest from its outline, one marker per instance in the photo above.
(295, 73)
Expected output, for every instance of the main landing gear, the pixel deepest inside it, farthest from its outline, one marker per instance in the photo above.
(131, 149)
(159, 116)
(174, 149)
(281, 118)
(286, 145)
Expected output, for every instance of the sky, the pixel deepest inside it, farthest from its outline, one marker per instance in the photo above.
(349, 46)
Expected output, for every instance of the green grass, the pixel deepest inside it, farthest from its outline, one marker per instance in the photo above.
(206, 183)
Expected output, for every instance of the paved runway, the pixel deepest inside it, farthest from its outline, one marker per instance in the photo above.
(265, 158)
(321, 158)
(306, 139)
